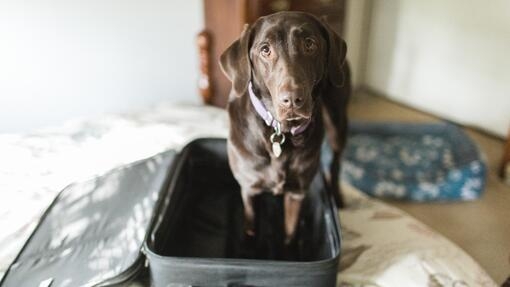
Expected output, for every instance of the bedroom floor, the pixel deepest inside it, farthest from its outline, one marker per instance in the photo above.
(482, 227)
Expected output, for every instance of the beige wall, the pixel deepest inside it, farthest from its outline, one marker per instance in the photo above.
(450, 58)
(356, 36)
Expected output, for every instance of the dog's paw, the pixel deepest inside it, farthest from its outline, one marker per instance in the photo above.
(249, 232)
(249, 226)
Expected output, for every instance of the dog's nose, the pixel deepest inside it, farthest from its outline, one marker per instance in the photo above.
(291, 100)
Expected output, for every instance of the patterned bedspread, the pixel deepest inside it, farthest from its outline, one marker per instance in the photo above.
(382, 245)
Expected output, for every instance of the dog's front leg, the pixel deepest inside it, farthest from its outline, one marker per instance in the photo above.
(249, 213)
(292, 207)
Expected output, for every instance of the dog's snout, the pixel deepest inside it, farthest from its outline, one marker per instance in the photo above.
(290, 99)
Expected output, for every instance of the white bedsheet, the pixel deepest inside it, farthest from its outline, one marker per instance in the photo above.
(382, 245)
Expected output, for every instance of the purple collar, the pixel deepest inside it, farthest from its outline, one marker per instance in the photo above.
(268, 117)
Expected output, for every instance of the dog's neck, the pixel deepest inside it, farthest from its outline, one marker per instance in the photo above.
(314, 129)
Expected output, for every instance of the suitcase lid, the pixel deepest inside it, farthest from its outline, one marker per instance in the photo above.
(93, 232)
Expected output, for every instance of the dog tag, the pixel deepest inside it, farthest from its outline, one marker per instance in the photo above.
(277, 149)
(277, 146)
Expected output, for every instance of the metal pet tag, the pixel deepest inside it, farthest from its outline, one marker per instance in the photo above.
(277, 149)
(277, 146)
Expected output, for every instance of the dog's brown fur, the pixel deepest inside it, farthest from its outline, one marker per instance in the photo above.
(296, 64)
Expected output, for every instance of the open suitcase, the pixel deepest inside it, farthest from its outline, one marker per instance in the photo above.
(176, 219)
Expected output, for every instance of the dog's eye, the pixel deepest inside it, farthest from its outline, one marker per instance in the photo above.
(265, 50)
(310, 45)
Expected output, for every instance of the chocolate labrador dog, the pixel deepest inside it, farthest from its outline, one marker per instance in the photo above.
(290, 86)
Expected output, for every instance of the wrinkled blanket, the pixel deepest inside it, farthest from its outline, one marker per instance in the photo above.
(382, 246)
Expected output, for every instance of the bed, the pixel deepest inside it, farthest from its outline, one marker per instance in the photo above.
(382, 245)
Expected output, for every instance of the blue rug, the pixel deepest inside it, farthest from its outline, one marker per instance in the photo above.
(418, 162)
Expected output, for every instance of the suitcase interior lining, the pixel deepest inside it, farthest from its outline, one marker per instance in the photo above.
(205, 215)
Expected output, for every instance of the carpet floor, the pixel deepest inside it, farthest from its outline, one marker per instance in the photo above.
(480, 227)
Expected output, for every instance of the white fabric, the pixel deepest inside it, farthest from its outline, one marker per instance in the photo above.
(35, 167)
(382, 245)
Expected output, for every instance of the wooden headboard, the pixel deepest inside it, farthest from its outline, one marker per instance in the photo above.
(224, 21)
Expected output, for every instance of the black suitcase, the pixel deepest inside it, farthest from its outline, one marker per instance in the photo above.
(178, 218)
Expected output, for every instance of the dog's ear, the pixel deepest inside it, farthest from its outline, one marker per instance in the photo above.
(337, 50)
(235, 62)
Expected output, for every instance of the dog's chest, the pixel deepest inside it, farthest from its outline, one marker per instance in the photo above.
(293, 168)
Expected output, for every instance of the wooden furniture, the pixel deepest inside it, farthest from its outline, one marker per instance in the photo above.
(224, 21)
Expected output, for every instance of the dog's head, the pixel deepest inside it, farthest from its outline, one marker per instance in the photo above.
(286, 55)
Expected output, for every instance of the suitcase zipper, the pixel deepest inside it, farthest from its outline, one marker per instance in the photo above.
(126, 276)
